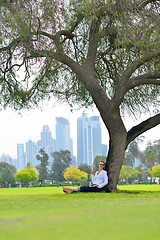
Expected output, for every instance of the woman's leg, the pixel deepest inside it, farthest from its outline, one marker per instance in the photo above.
(82, 189)
(90, 189)
(74, 189)
(70, 190)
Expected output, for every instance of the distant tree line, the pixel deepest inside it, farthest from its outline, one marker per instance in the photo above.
(7, 172)
(60, 170)
(149, 162)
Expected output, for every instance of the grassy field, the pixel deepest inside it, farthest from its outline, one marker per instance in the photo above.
(48, 213)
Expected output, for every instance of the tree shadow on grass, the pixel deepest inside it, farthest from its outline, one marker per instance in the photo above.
(137, 192)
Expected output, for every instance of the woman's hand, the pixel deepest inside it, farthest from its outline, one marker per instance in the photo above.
(92, 172)
(94, 185)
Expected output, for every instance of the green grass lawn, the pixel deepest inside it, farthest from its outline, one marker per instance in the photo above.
(48, 213)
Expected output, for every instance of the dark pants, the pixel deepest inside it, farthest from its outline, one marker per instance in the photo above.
(90, 189)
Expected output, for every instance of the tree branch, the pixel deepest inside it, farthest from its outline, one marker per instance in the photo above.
(145, 3)
(79, 19)
(94, 30)
(56, 38)
(93, 44)
(66, 33)
(138, 63)
(12, 44)
(148, 78)
(142, 127)
(122, 87)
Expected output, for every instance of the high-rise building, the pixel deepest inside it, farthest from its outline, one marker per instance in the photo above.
(63, 141)
(104, 149)
(71, 147)
(30, 153)
(89, 142)
(82, 140)
(80, 145)
(21, 163)
(96, 139)
(46, 142)
(8, 159)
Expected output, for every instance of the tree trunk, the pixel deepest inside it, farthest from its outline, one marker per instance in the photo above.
(117, 147)
(115, 159)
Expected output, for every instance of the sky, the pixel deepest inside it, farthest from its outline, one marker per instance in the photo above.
(20, 127)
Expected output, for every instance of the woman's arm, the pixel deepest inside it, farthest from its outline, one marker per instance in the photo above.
(105, 180)
(93, 176)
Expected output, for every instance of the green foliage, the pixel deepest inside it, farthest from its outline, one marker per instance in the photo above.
(155, 172)
(148, 157)
(73, 174)
(156, 147)
(7, 172)
(7, 176)
(32, 172)
(85, 168)
(97, 159)
(42, 167)
(120, 41)
(26, 175)
(7, 165)
(132, 153)
(142, 175)
(23, 176)
(61, 161)
(127, 172)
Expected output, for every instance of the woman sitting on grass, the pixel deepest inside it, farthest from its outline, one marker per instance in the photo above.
(99, 180)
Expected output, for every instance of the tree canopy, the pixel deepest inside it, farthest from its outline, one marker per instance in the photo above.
(155, 172)
(127, 172)
(85, 168)
(23, 176)
(7, 165)
(118, 39)
(26, 175)
(7, 176)
(148, 157)
(43, 166)
(7, 172)
(73, 174)
(61, 161)
(132, 153)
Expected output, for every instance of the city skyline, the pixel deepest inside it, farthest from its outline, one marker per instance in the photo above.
(91, 146)
(46, 142)
(18, 127)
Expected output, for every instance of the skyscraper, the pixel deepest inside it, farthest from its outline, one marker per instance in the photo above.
(104, 149)
(89, 142)
(82, 143)
(21, 163)
(37, 149)
(63, 141)
(30, 153)
(96, 139)
(8, 159)
(46, 142)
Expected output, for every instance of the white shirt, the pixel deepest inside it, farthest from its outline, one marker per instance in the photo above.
(100, 179)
